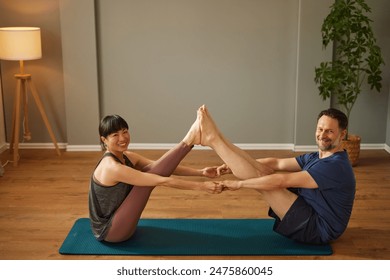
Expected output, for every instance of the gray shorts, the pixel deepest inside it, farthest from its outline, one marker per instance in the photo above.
(299, 223)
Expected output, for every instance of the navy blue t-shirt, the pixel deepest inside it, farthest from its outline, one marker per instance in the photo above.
(333, 199)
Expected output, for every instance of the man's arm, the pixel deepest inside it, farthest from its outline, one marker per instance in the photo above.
(276, 164)
(301, 179)
(281, 164)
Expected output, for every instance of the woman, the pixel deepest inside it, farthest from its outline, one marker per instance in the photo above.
(123, 181)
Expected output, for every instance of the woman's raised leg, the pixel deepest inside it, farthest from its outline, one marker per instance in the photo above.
(126, 217)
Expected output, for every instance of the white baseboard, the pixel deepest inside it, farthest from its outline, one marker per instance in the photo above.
(83, 148)
(372, 146)
(43, 146)
(164, 146)
(157, 146)
(167, 146)
(3, 147)
(305, 148)
(313, 148)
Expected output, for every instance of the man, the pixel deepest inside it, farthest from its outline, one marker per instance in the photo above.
(312, 199)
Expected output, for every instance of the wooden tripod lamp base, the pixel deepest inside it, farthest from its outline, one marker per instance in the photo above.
(23, 43)
(24, 82)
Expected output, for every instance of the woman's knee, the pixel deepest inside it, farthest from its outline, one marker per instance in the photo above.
(119, 237)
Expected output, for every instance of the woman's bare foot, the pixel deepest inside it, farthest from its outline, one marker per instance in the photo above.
(193, 136)
(209, 130)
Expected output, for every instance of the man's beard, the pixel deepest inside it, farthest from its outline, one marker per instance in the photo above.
(326, 148)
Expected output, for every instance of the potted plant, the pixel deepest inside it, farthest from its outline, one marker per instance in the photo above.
(356, 60)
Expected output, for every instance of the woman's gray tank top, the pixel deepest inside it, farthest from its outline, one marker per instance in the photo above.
(104, 201)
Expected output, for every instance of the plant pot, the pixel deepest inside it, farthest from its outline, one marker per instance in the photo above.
(352, 146)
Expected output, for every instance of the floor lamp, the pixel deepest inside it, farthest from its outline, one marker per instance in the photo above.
(23, 43)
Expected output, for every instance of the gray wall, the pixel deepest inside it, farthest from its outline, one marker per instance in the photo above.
(369, 115)
(80, 72)
(161, 61)
(388, 127)
(155, 62)
(308, 103)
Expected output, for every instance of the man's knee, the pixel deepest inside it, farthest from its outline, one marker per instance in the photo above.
(263, 170)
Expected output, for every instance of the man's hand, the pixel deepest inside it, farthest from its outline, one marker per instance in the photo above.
(213, 187)
(231, 185)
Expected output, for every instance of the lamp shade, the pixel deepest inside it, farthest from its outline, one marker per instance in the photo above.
(20, 43)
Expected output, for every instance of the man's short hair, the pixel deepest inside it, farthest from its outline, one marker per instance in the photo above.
(335, 114)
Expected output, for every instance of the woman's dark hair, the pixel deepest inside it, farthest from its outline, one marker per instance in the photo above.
(110, 124)
(335, 114)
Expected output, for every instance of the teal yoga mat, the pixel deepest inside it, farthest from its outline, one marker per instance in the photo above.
(191, 237)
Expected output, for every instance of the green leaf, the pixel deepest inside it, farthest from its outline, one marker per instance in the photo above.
(357, 58)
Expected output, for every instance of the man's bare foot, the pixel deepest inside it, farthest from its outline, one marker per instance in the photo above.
(193, 136)
(209, 130)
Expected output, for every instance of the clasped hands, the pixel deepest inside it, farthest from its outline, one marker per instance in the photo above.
(216, 187)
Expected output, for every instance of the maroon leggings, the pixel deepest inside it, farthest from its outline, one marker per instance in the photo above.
(126, 217)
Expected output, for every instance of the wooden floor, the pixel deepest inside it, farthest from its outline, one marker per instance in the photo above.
(42, 197)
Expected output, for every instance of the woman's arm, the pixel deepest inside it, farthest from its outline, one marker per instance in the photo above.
(210, 172)
(140, 162)
(208, 186)
(110, 172)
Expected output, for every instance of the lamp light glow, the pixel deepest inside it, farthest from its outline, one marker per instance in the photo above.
(20, 43)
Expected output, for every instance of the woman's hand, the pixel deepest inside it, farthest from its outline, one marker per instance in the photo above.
(223, 169)
(213, 187)
(210, 172)
(216, 171)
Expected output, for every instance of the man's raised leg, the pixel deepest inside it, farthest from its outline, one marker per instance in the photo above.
(242, 165)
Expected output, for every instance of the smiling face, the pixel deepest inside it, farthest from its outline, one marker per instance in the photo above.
(114, 134)
(118, 141)
(329, 135)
